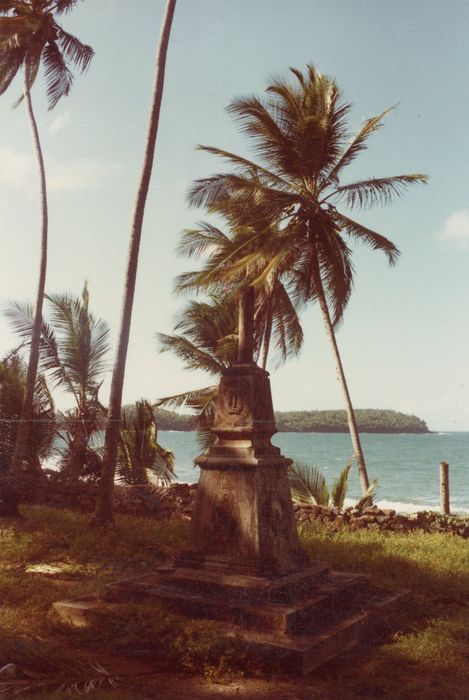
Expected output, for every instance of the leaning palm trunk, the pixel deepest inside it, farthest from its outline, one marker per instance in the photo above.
(11, 489)
(267, 332)
(352, 423)
(103, 514)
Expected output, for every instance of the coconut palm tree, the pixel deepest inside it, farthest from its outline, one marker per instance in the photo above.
(302, 147)
(103, 514)
(74, 345)
(276, 316)
(207, 339)
(30, 37)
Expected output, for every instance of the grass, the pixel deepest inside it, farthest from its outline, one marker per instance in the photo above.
(421, 650)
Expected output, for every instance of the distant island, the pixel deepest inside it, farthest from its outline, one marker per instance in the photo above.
(370, 420)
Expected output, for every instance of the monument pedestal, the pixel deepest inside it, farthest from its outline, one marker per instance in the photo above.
(245, 567)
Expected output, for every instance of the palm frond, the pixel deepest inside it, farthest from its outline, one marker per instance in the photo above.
(83, 340)
(196, 242)
(10, 63)
(58, 76)
(367, 499)
(62, 7)
(366, 235)
(307, 484)
(340, 486)
(382, 191)
(192, 356)
(194, 399)
(74, 50)
(163, 465)
(356, 146)
(246, 165)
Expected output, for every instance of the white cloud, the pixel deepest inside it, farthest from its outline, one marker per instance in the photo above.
(80, 175)
(15, 167)
(59, 122)
(456, 229)
(18, 170)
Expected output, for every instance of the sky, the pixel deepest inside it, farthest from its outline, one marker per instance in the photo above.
(405, 335)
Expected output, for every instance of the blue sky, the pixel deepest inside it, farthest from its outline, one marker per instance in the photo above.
(405, 335)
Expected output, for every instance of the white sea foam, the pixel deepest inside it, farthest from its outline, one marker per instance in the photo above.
(406, 508)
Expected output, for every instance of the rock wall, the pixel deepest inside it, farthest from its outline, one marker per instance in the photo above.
(377, 518)
(177, 501)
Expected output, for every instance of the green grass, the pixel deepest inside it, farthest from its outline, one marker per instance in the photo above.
(424, 648)
(421, 648)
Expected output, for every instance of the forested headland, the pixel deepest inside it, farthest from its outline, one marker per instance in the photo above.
(370, 420)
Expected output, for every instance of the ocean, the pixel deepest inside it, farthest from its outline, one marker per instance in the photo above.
(406, 466)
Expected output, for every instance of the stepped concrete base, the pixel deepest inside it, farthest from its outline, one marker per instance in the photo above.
(305, 618)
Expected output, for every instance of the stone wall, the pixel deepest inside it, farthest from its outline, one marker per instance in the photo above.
(177, 501)
(377, 518)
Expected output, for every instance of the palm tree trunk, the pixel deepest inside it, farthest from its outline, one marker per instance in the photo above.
(352, 423)
(268, 331)
(11, 490)
(103, 514)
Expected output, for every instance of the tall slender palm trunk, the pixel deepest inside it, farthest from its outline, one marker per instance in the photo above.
(12, 485)
(352, 423)
(268, 331)
(103, 514)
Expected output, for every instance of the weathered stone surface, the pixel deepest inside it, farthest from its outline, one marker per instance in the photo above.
(243, 516)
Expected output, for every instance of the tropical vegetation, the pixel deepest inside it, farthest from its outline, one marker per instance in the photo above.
(73, 354)
(308, 486)
(30, 37)
(140, 458)
(369, 420)
(206, 338)
(40, 438)
(286, 206)
(73, 357)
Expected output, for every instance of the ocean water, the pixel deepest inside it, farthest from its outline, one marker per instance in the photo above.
(406, 466)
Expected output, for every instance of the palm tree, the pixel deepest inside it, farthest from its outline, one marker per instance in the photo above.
(207, 339)
(302, 146)
(31, 37)
(276, 316)
(73, 350)
(103, 514)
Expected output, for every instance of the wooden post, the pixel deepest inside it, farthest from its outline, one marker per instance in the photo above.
(444, 488)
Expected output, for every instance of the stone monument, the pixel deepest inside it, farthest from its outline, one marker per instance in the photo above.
(243, 521)
(245, 565)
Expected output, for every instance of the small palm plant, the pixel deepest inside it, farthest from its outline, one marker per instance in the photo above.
(139, 451)
(74, 345)
(308, 486)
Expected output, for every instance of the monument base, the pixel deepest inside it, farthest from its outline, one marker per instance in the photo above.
(305, 618)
